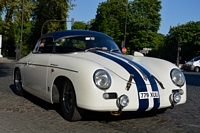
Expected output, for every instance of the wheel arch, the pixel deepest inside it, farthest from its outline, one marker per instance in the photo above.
(57, 85)
(14, 71)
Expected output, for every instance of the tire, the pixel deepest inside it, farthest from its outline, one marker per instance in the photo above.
(68, 102)
(196, 69)
(18, 89)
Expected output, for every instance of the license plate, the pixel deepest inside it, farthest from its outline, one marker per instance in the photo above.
(147, 95)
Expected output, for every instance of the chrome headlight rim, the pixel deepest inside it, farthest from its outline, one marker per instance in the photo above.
(176, 97)
(177, 77)
(100, 76)
(123, 101)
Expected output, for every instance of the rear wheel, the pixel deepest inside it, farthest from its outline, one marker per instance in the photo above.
(196, 69)
(68, 102)
(18, 89)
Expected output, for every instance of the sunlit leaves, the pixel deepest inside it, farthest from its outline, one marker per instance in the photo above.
(189, 34)
(79, 25)
(142, 18)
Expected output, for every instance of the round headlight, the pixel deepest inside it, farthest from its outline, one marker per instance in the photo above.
(102, 79)
(177, 77)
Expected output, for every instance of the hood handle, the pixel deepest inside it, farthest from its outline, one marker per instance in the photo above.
(128, 85)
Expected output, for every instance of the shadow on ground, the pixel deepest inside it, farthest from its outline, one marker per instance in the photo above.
(103, 117)
(6, 69)
(192, 79)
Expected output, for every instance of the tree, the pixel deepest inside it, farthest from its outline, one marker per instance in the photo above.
(79, 25)
(143, 21)
(11, 28)
(49, 10)
(189, 35)
(29, 6)
(1, 24)
(89, 24)
(158, 48)
(36, 13)
(110, 19)
(8, 27)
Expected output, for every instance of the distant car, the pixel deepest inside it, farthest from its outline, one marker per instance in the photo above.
(192, 65)
(85, 70)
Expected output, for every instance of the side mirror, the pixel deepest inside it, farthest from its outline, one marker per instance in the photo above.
(137, 54)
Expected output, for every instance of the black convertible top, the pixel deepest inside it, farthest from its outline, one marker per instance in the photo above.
(60, 34)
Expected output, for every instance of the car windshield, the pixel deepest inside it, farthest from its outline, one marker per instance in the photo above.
(195, 59)
(85, 43)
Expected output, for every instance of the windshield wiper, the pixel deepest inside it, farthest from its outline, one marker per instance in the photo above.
(96, 48)
(114, 50)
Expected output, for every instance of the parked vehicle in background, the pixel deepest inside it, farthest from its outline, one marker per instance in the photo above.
(85, 70)
(192, 65)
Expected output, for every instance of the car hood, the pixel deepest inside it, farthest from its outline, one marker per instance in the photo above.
(125, 65)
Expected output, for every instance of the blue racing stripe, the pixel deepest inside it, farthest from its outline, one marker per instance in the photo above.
(151, 79)
(141, 86)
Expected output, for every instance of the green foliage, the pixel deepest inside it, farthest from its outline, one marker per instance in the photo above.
(189, 35)
(110, 19)
(157, 48)
(7, 29)
(142, 18)
(89, 24)
(136, 21)
(79, 25)
(1, 25)
(36, 13)
(49, 10)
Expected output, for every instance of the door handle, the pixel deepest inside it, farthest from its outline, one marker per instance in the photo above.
(54, 65)
(27, 63)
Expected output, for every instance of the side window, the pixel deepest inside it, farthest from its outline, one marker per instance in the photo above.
(45, 45)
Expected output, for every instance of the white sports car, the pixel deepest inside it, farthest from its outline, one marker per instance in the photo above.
(85, 70)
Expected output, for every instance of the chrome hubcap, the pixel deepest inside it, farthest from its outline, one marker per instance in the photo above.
(67, 98)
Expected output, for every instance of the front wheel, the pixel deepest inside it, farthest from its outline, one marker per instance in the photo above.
(68, 102)
(18, 89)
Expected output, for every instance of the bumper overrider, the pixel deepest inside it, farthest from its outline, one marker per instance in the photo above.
(123, 100)
(175, 97)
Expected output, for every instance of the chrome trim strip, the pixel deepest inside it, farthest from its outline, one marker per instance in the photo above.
(66, 69)
(51, 66)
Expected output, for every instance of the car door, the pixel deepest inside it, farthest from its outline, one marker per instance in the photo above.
(36, 69)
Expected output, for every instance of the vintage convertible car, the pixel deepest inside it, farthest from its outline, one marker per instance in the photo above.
(85, 70)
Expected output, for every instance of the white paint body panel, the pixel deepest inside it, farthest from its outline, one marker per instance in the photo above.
(79, 68)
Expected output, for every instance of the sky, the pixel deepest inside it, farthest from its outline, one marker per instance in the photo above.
(173, 12)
